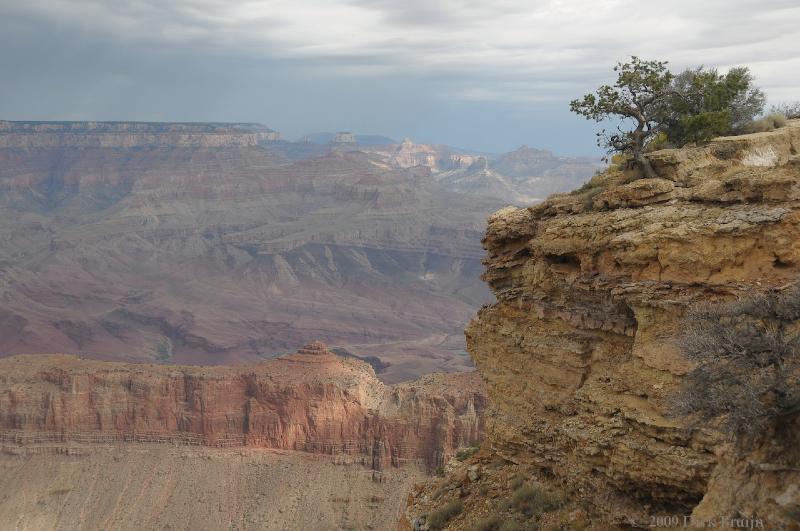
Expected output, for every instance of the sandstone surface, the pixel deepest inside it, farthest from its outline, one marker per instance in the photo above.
(578, 352)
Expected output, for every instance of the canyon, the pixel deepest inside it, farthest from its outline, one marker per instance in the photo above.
(221, 243)
(308, 440)
(580, 358)
(311, 401)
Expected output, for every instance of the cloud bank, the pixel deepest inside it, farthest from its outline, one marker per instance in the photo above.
(484, 74)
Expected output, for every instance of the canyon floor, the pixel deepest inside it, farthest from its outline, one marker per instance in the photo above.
(156, 486)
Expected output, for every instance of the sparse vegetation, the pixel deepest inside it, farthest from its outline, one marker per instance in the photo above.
(438, 519)
(789, 110)
(466, 453)
(768, 123)
(748, 356)
(532, 499)
(517, 482)
(491, 523)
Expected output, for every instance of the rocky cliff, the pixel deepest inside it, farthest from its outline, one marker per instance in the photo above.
(578, 354)
(313, 401)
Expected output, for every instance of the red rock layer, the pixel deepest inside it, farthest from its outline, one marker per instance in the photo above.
(312, 401)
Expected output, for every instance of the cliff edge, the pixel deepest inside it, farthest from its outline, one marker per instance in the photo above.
(578, 352)
(312, 401)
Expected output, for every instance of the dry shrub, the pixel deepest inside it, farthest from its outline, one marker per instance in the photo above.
(768, 123)
(748, 363)
(466, 453)
(438, 519)
(533, 499)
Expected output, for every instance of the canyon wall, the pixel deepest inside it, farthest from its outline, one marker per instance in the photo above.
(311, 401)
(578, 352)
(28, 135)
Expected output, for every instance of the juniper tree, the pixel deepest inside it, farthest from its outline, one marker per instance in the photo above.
(640, 98)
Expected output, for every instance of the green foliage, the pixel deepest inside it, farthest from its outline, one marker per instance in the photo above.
(655, 107)
(659, 141)
(438, 519)
(532, 499)
(639, 98)
(517, 482)
(706, 104)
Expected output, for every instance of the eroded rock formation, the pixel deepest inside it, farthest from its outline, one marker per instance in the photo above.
(312, 401)
(578, 354)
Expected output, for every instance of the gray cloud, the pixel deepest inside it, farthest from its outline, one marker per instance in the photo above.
(481, 74)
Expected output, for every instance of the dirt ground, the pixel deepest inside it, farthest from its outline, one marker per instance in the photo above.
(151, 486)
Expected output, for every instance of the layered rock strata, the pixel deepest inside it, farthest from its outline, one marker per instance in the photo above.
(578, 352)
(128, 135)
(313, 401)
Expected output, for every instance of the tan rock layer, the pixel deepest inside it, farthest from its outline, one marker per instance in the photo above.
(312, 401)
(577, 352)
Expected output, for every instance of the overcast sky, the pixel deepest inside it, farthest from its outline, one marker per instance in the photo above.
(487, 75)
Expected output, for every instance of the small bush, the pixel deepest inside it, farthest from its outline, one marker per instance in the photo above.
(438, 493)
(768, 123)
(588, 201)
(517, 482)
(660, 141)
(532, 499)
(492, 523)
(748, 363)
(438, 519)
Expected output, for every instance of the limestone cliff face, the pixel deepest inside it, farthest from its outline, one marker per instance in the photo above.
(591, 288)
(311, 401)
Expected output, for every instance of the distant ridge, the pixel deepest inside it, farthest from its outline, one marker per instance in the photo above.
(364, 140)
(90, 126)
